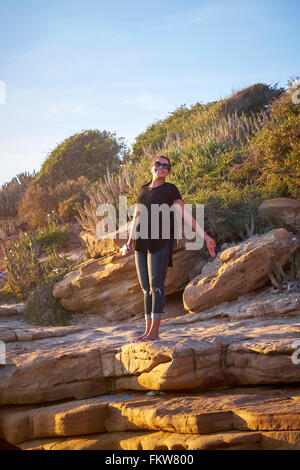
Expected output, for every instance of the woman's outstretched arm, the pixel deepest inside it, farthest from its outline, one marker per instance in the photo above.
(185, 214)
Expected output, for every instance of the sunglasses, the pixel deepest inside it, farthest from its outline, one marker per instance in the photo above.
(162, 165)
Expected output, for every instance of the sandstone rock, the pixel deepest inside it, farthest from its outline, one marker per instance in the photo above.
(193, 354)
(149, 441)
(109, 286)
(222, 371)
(239, 269)
(7, 446)
(282, 440)
(282, 211)
(260, 303)
(18, 331)
(9, 310)
(200, 420)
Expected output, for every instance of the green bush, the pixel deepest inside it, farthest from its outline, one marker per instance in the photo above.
(12, 192)
(87, 153)
(38, 202)
(7, 297)
(42, 308)
(198, 121)
(68, 194)
(25, 272)
(234, 217)
(35, 206)
(51, 235)
(276, 150)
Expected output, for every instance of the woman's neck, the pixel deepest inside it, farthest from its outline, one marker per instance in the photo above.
(156, 182)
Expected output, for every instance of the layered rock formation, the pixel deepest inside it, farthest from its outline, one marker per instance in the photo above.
(109, 286)
(231, 361)
(248, 347)
(255, 418)
(226, 376)
(239, 269)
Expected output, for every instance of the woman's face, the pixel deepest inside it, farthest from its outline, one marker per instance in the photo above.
(159, 171)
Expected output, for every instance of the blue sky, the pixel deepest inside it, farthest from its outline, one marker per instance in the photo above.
(71, 65)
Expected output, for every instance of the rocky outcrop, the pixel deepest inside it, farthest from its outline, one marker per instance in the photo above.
(249, 417)
(252, 346)
(239, 269)
(109, 286)
(220, 371)
(11, 310)
(226, 376)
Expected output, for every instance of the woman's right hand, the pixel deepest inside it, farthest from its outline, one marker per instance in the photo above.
(127, 248)
(211, 244)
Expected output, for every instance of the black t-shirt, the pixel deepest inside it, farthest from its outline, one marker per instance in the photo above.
(165, 193)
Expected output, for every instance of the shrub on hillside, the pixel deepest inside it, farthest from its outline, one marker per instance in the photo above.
(185, 123)
(275, 150)
(252, 100)
(68, 195)
(7, 297)
(231, 213)
(38, 202)
(12, 192)
(25, 271)
(88, 153)
(42, 308)
(35, 206)
(51, 235)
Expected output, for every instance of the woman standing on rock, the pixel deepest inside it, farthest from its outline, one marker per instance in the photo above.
(153, 256)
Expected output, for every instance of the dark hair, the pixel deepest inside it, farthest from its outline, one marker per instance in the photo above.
(159, 156)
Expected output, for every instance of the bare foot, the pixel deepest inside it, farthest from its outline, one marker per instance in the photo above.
(140, 338)
(151, 338)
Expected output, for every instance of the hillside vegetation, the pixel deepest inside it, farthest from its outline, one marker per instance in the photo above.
(196, 121)
(61, 182)
(229, 155)
(84, 154)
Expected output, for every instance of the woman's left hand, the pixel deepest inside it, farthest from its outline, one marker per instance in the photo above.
(211, 244)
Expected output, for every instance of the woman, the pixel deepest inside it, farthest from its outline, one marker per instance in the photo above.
(153, 256)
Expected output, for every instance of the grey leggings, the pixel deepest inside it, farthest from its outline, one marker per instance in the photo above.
(152, 271)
